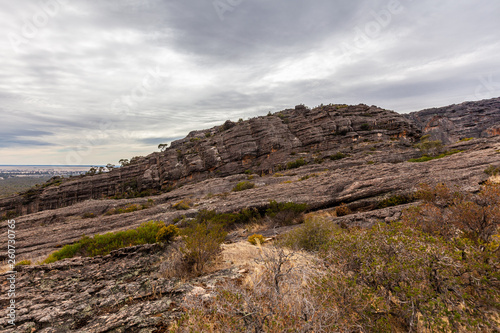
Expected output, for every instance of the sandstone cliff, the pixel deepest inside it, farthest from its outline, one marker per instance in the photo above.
(449, 124)
(262, 144)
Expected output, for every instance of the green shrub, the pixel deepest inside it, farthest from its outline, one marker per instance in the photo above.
(343, 210)
(167, 233)
(227, 219)
(104, 244)
(466, 139)
(182, 205)
(241, 186)
(88, 215)
(492, 170)
(296, 164)
(338, 156)
(380, 277)
(127, 209)
(426, 158)
(365, 127)
(308, 176)
(429, 148)
(312, 235)
(202, 244)
(256, 239)
(285, 213)
(248, 172)
(23, 262)
(395, 200)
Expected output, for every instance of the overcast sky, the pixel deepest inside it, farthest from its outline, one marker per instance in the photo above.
(90, 82)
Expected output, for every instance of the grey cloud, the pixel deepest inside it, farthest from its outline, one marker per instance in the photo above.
(264, 56)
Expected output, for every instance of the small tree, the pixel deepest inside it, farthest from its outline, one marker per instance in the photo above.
(163, 146)
(202, 244)
(124, 162)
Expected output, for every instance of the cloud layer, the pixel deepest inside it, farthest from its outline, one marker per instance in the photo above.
(93, 82)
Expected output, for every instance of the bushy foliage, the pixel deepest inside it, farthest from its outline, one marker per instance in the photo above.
(447, 212)
(426, 158)
(395, 200)
(343, 210)
(311, 236)
(388, 278)
(492, 170)
(167, 233)
(392, 276)
(104, 244)
(296, 164)
(129, 208)
(23, 262)
(182, 205)
(285, 213)
(228, 219)
(338, 156)
(428, 147)
(241, 186)
(202, 243)
(256, 239)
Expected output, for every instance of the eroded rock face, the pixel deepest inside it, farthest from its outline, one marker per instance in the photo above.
(449, 124)
(261, 144)
(361, 180)
(121, 292)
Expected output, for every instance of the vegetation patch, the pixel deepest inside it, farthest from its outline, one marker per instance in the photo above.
(23, 263)
(256, 239)
(241, 186)
(286, 213)
(182, 205)
(338, 156)
(395, 200)
(167, 233)
(104, 244)
(296, 164)
(306, 177)
(392, 277)
(492, 170)
(88, 215)
(202, 244)
(426, 158)
(130, 208)
(343, 210)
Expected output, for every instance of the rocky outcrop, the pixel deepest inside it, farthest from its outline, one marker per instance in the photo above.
(121, 292)
(375, 172)
(262, 144)
(452, 123)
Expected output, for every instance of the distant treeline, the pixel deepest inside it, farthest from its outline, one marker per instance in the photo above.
(13, 185)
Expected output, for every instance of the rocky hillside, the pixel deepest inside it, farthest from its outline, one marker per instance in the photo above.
(263, 145)
(449, 124)
(327, 156)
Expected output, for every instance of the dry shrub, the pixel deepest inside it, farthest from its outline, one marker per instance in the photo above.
(310, 236)
(343, 210)
(174, 264)
(256, 239)
(202, 244)
(396, 278)
(183, 204)
(273, 300)
(449, 213)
